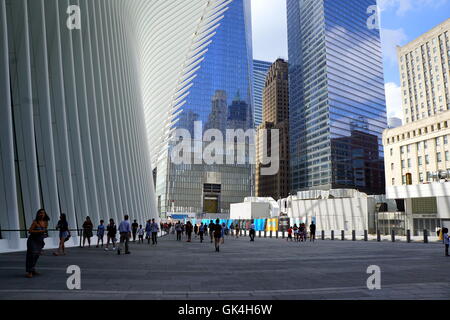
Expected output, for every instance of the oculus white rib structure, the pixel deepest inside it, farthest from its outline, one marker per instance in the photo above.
(83, 111)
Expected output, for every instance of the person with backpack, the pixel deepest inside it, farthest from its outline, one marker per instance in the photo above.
(64, 233)
(100, 233)
(111, 231)
(217, 233)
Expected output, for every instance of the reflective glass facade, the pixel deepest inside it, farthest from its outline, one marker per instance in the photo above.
(221, 98)
(337, 99)
(260, 69)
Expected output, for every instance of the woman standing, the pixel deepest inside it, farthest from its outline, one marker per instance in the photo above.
(35, 242)
(87, 231)
(63, 228)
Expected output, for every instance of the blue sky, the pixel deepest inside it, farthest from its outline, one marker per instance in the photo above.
(401, 22)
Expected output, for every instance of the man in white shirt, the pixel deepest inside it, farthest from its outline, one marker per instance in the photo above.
(125, 234)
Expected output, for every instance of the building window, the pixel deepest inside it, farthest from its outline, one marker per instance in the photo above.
(408, 148)
(445, 139)
(392, 152)
(419, 161)
(447, 156)
(409, 163)
(439, 157)
(425, 145)
(421, 177)
(403, 164)
(438, 142)
(403, 179)
(402, 149)
(427, 159)
(392, 166)
(393, 181)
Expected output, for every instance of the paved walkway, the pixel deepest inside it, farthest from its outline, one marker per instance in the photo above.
(266, 269)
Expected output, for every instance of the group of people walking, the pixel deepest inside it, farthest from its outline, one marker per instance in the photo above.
(300, 233)
(38, 231)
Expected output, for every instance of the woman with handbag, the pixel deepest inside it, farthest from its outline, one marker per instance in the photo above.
(64, 234)
(35, 243)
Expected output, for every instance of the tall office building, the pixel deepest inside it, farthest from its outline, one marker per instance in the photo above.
(337, 99)
(223, 84)
(260, 69)
(275, 117)
(424, 73)
(77, 81)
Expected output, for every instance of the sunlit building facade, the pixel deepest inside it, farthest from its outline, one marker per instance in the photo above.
(337, 99)
(221, 98)
(79, 82)
(260, 69)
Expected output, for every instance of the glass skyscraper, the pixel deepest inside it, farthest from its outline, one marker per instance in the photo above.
(337, 99)
(260, 69)
(221, 98)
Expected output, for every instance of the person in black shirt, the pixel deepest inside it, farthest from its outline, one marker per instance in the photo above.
(111, 231)
(134, 228)
(312, 232)
(217, 234)
(211, 230)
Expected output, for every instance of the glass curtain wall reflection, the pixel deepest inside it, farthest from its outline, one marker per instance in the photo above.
(337, 102)
(221, 98)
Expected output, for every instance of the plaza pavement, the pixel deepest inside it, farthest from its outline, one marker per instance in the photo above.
(268, 269)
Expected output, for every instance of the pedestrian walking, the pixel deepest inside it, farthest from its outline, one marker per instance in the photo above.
(238, 229)
(189, 231)
(141, 232)
(125, 234)
(252, 232)
(201, 231)
(111, 232)
(312, 232)
(38, 232)
(155, 229)
(134, 229)
(63, 228)
(290, 231)
(87, 231)
(148, 231)
(222, 238)
(217, 233)
(196, 231)
(446, 240)
(296, 232)
(100, 233)
(232, 229)
(211, 230)
(178, 230)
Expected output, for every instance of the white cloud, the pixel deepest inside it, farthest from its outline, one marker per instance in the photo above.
(390, 39)
(393, 100)
(404, 6)
(269, 23)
